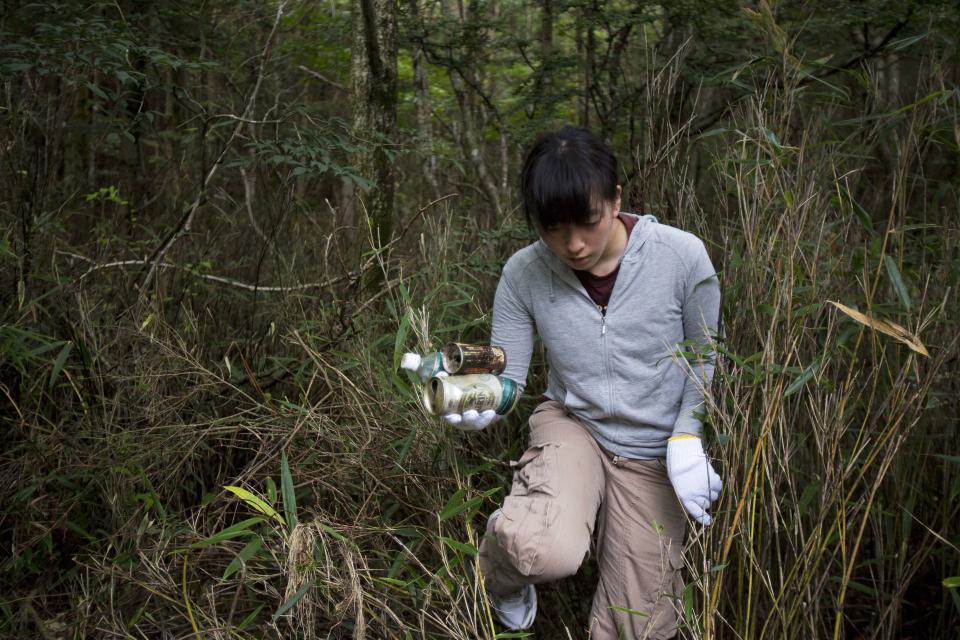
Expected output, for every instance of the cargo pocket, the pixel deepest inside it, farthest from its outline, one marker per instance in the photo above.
(669, 605)
(530, 509)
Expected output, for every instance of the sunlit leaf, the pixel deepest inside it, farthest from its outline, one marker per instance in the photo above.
(886, 327)
(256, 502)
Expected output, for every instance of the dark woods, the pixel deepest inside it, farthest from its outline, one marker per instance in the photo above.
(222, 222)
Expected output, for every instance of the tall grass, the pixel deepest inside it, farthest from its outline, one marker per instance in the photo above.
(356, 515)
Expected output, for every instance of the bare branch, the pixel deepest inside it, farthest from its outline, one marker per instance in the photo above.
(320, 76)
(187, 220)
(353, 276)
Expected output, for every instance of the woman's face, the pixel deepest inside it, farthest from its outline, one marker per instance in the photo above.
(583, 246)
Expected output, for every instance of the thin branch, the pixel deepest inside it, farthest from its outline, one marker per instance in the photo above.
(320, 76)
(352, 276)
(187, 221)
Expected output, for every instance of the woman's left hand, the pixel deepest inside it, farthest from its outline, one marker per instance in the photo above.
(692, 476)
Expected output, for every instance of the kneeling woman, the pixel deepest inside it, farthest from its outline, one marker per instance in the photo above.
(615, 445)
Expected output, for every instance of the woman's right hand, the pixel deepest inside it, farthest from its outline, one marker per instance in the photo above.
(471, 419)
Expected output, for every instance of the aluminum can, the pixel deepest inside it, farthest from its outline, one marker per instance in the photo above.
(465, 359)
(480, 391)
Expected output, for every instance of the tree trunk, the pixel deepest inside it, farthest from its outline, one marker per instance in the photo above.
(421, 85)
(373, 80)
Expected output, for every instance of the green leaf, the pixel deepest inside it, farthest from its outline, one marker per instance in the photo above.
(711, 133)
(688, 603)
(59, 362)
(952, 582)
(294, 599)
(245, 554)
(459, 547)
(289, 496)
(271, 490)
(394, 582)
(242, 528)
(250, 618)
(862, 588)
(861, 214)
(804, 377)
(903, 43)
(256, 502)
(400, 339)
(5, 249)
(97, 91)
(809, 492)
(898, 284)
(339, 536)
(456, 504)
(632, 612)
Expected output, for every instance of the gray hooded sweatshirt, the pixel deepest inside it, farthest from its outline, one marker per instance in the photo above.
(623, 373)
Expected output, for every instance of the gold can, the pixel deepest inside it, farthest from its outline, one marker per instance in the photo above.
(465, 359)
(481, 391)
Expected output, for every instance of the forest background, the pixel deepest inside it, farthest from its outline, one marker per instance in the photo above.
(223, 222)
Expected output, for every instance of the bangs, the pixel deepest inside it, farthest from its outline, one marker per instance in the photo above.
(566, 191)
(567, 177)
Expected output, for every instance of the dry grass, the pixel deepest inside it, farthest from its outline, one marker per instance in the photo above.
(838, 517)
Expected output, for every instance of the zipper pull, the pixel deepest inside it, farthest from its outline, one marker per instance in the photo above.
(603, 325)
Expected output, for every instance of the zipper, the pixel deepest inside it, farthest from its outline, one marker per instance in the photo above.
(603, 353)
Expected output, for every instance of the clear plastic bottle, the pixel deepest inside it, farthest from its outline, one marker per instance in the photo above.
(425, 366)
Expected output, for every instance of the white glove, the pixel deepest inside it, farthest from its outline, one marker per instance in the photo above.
(693, 478)
(471, 419)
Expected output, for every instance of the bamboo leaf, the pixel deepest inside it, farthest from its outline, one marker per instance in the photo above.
(256, 502)
(294, 599)
(245, 554)
(459, 547)
(469, 504)
(627, 610)
(250, 618)
(271, 490)
(339, 536)
(400, 339)
(242, 528)
(804, 377)
(898, 284)
(394, 582)
(289, 496)
(886, 327)
(455, 501)
(59, 362)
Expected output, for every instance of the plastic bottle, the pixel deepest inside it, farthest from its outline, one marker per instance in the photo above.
(425, 366)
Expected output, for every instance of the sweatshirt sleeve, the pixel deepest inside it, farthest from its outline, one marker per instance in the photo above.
(512, 330)
(701, 312)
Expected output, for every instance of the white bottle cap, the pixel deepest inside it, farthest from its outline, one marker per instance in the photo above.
(410, 361)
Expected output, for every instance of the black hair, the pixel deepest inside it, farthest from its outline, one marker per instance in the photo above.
(566, 175)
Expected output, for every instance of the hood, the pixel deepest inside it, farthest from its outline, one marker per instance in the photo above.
(638, 237)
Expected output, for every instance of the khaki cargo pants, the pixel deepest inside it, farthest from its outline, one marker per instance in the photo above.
(560, 484)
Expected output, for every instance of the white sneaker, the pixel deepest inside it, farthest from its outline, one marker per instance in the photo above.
(517, 611)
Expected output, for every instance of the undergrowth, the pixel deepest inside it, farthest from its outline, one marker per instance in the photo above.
(221, 462)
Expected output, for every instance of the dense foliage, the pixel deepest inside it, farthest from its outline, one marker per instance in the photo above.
(211, 261)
